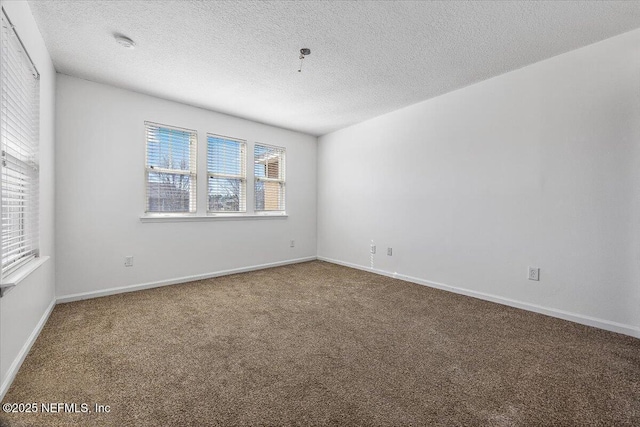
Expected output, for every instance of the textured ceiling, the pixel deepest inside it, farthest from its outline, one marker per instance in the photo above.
(367, 58)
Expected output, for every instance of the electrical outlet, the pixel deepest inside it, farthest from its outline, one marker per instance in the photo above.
(534, 273)
(390, 251)
(292, 244)
(373, 249)
(128, 261)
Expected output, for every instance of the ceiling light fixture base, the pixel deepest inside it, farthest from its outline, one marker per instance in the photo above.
(303, 52)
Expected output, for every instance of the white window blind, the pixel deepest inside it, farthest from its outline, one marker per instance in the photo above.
(170, 169)
(226, 174)
(269, 174)
(19, 140)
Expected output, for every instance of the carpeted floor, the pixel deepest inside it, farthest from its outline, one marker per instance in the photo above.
(320, 344)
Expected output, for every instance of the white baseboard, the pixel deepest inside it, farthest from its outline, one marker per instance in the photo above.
(17, 362)
(15, 366)
(138, 287)
(572, 317)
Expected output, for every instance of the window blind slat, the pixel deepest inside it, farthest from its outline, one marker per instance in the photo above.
(170, 169)
(269, 173)
(227, 174)
(19, 135)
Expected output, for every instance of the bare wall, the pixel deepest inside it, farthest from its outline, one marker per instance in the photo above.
(537, 167)
(100, 195)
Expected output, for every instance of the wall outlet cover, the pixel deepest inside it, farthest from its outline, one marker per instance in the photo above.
(534, 273)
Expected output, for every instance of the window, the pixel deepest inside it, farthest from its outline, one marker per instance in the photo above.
(226, 174)
(170, 176)
(19, 140)
(269, 171)
(170, 169)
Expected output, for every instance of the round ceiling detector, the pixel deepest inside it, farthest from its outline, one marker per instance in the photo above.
(125, 41)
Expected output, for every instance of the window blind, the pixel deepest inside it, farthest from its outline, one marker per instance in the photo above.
(170, 169)
(226, 174)
(269, 173)
(19, 140)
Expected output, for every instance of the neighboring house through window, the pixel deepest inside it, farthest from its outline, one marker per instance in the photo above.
(269, 171)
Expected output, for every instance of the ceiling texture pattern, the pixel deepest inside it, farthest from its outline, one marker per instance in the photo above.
(367, 58)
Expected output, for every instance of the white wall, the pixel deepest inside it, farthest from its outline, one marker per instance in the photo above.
(24, 309)
(100, 195)
(537, 167)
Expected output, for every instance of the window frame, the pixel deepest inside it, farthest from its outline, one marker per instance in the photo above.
(19, 166)
(242, 177)
(281, 180)
(192, 172)
(202, 213)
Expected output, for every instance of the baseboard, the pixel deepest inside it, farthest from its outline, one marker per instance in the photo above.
(139, 287)
(17, 362)
(572, 317)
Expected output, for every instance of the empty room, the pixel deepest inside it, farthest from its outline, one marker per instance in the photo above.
(346, 213)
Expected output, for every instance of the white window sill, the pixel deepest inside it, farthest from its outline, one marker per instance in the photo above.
(22, 273)
(210, 217)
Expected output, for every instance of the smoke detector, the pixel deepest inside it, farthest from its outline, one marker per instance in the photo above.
(125, 41)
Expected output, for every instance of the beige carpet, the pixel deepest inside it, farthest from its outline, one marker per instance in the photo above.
(320, 344)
